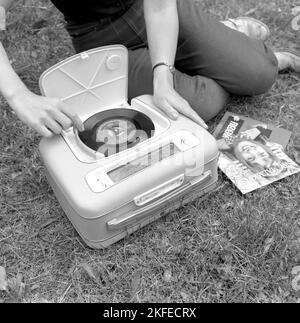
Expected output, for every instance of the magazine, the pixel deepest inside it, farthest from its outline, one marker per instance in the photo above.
(252, 153)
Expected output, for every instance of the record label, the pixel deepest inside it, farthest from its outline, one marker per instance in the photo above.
(112, 131)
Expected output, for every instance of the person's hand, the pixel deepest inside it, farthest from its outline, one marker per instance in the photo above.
(168, 100)
(47, 116)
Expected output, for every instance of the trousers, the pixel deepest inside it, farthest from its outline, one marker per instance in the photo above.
(212, 61)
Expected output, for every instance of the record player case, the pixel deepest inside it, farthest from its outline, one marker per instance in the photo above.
(108, 198)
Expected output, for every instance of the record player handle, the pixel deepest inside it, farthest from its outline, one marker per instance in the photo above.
(123, 221)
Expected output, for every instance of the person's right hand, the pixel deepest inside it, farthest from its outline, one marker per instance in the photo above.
(47, 116)
(169, 101)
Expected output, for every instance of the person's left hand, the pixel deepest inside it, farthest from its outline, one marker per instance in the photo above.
(168, 100)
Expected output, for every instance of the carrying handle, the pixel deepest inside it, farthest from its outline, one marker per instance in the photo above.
(123, 221)
(159, 191)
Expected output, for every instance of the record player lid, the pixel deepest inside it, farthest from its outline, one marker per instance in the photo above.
(90, 80)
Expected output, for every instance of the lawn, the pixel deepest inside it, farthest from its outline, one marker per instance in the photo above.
(224, 247)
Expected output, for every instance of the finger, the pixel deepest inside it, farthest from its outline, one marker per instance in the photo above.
(195, 117)
(77, 123)
(167, 109)
(52, 125)
(63, 120)
(183, 107)
(43, 131)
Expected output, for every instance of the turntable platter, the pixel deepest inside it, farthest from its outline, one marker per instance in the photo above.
(115, 130)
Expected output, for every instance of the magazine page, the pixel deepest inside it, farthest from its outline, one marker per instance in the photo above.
(232, 125)
(251, 153)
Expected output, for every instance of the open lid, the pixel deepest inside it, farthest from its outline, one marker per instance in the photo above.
(90, 81)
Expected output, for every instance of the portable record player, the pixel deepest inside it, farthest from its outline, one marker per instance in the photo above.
(131, 164)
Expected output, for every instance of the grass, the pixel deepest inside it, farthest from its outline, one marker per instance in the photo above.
(224, 247)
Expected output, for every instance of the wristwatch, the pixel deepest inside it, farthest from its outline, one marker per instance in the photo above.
(170, 67)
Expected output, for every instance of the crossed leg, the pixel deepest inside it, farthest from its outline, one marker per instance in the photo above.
(212, 62)
(204, 95)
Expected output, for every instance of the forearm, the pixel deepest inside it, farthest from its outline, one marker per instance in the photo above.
(10, 83)
(162, 29)
(47, 116)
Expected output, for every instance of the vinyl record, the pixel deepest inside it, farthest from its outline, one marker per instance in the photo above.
(115, 130)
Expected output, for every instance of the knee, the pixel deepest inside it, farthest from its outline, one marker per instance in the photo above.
(270, 76)
(263, 76)
(264, 79)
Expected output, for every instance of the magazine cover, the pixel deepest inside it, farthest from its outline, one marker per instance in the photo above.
(252, 153)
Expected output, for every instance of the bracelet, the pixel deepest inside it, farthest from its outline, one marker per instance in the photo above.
(170, 67)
